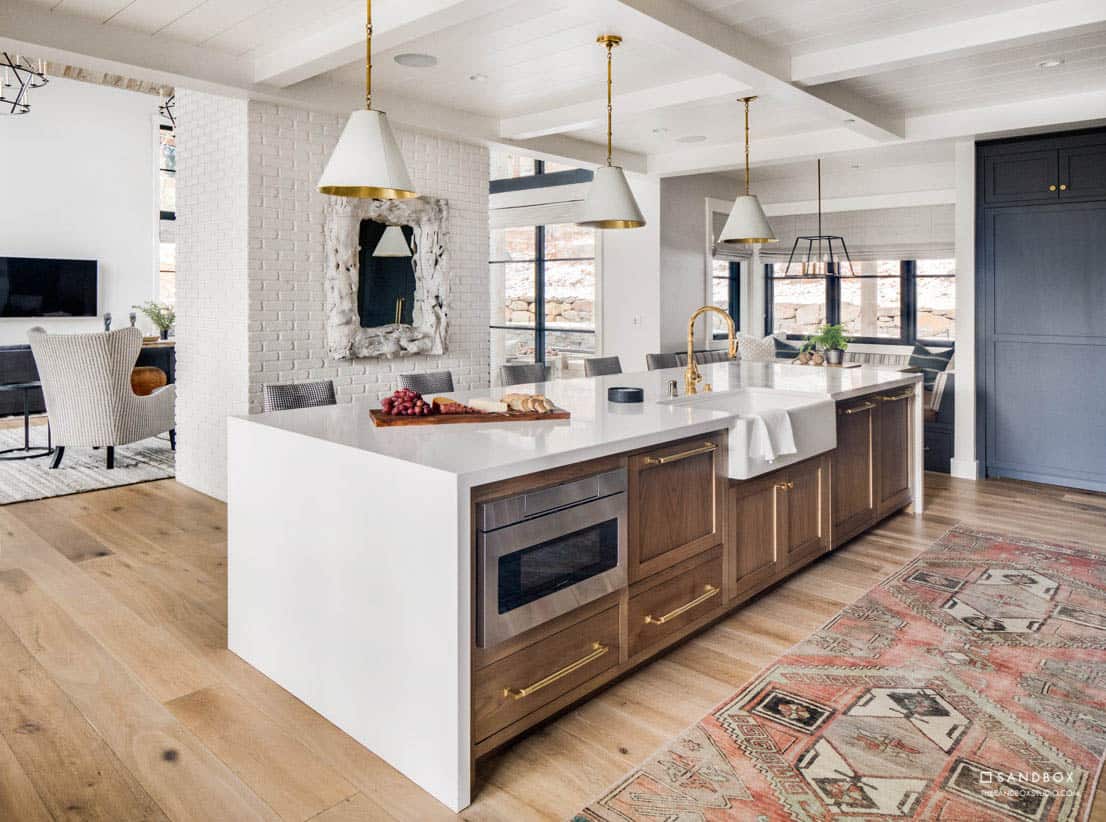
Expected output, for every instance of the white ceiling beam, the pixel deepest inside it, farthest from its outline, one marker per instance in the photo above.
(593, 113)
(306, 56)
(721, 48)
(564, 149)
(864, 202)
(763, 151)
(922, 45)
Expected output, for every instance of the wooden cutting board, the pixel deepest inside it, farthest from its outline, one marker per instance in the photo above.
(388, 421)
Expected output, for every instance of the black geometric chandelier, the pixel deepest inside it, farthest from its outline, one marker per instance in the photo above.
(819, 260)
(168, 110)
(18, 76)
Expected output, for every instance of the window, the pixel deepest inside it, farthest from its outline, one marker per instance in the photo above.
(726, 294)
(167, 207)
(167, 274)
(879, 301)
(543, 289)
(513, 172)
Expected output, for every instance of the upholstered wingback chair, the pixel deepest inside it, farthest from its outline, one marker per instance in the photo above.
(86, 380)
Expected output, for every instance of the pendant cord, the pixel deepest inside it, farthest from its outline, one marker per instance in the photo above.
(819, 206)
(368, 54)
(610, 108)
(747, 99)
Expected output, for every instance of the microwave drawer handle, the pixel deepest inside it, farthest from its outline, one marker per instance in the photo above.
(687, 606)
(705, 448)
(896, 397)
(597, 650)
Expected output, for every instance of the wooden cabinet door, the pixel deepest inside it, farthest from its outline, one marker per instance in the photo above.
(807, 510)
(893, 449)
(674, 493)
(1022, 177)
(854, 470)
(1083, 173)
(755, 547)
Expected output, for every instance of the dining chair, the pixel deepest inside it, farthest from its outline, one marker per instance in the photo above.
(523, 373)
(657, 361)
(602, 366)
(428, 382)
(298, 395)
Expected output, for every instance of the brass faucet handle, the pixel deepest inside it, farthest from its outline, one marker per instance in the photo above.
(708, 387)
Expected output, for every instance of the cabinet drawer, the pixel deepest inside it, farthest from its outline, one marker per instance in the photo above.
(662, 612)
(673, 496)
(509, 689)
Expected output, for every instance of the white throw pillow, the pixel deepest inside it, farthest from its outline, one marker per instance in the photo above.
(756, 349)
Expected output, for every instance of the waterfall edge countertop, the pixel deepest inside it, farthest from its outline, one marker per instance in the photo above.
(480, 453)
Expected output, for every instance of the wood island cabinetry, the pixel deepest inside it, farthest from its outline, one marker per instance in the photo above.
(698, 545)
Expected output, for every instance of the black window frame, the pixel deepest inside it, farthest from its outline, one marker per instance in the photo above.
(734, 300)
(164, 215)
(540, 179)
(540, 328)
(908, 305)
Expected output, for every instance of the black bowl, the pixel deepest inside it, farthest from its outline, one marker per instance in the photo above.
(622, 393)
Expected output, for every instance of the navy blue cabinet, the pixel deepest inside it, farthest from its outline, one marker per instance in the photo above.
(1041, 309)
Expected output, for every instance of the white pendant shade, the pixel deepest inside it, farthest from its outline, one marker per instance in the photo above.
(747, 223)
(392, 243)
(609, 202)
(366, 162)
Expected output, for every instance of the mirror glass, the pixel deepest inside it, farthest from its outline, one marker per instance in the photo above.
(386, 287)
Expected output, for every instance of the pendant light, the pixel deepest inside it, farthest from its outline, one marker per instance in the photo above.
(366, 162)
(392, 243)
(609, 202)
(747, 223)
(820, 261)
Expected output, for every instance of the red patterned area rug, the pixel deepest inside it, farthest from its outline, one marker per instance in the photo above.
(970, 685)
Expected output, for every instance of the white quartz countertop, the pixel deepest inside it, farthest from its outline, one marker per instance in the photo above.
(486, 452)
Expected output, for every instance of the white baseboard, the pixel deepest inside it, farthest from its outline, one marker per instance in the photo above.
(964, 469)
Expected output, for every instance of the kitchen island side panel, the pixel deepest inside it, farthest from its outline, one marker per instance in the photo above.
(345, 579)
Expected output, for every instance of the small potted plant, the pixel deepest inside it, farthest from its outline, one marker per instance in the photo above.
(832, 341)
(161, 315)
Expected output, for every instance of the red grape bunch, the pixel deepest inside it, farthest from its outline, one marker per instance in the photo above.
(407, 403)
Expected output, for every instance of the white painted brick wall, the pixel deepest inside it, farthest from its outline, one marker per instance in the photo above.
(288, 148)
(212, 283)
(250, 267)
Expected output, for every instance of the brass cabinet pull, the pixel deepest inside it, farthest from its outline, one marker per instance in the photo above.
(705, 448)
(896, 397)
(1063, 186)
(785, 486)
(1052, 188)
(856, 409)
(687, 606)
(597, 650)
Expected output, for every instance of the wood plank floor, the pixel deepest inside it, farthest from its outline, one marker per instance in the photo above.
(119, 700)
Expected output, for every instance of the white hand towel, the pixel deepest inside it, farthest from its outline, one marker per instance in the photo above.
(771, 435)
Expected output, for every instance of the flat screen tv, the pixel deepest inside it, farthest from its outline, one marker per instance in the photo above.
(35, 287)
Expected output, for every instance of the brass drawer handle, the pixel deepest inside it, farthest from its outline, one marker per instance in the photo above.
(785, 486)
(671, 615)
(1052, 188)
(705, 448)
(1063, 187)
(856, 409)
(896, 397)
(597, 650)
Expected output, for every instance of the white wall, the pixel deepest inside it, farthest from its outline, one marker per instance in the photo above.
(250, 270)
(212, 283)
(683, 252)
(288, 148)
(78, 178)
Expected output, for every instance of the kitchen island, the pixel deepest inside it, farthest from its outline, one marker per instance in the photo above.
(362, 570)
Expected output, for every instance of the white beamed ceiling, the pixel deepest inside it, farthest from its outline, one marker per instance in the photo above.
(844, 78)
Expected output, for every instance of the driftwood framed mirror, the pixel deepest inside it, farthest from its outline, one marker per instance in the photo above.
(380, 301)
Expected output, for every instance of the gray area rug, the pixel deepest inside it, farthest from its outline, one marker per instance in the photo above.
(83, 469)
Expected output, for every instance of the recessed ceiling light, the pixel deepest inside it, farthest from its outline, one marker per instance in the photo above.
(478, 78)
(849, 121)
(1052, 62)
(414, 60)
(691, 138)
